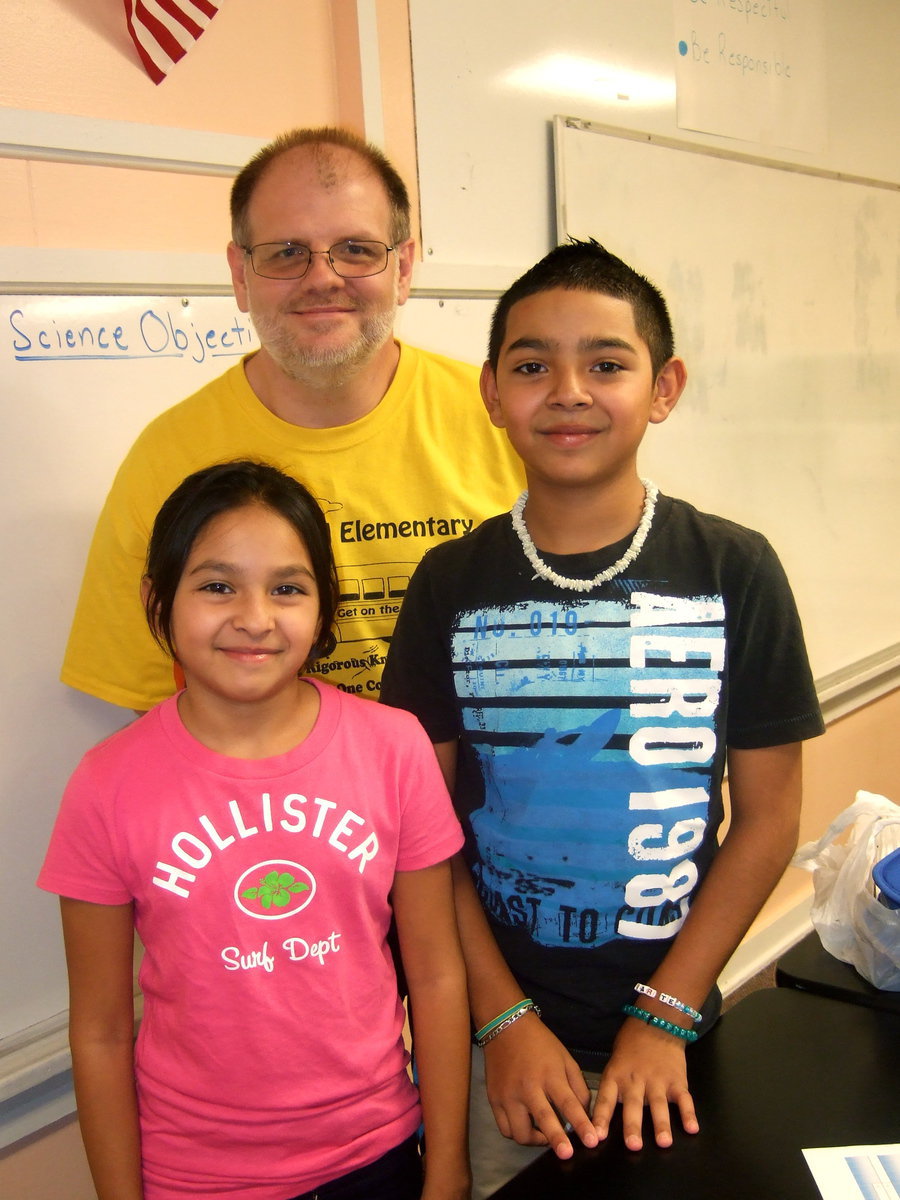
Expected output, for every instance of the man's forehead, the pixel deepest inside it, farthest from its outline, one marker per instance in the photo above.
(322, 165)
(314, 191)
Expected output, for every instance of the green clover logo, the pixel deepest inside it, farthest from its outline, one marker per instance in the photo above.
(275, 889)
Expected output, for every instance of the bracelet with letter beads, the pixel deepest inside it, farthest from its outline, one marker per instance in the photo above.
(644, 989)
(686, 1035)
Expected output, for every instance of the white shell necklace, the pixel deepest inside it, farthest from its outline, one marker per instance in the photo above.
(542, 571)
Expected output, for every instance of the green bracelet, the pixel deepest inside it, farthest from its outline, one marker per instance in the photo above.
(488, 1032)
(686, 1035)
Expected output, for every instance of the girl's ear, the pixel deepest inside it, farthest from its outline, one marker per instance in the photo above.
(324, 644)
(146, 586)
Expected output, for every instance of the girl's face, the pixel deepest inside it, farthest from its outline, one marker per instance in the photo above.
(246, 611)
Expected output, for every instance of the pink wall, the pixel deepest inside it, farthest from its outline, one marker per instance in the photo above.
(258, 69)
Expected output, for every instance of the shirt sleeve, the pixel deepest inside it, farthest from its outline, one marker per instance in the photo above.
(418, 674)
(82, 862)
(772, 693)
(111, 653)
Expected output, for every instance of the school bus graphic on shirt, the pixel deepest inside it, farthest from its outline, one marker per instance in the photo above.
(370, 595)
(371, 592)
(370, 598)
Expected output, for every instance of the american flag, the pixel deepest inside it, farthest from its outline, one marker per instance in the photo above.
(164, 30)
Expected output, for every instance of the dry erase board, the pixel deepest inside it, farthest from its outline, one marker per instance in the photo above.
(81, 376)
(489, 78)
(784, 290)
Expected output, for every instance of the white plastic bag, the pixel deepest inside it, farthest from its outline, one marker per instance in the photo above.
(851, 922)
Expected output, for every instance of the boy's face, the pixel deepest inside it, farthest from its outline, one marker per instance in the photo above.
(574, 387)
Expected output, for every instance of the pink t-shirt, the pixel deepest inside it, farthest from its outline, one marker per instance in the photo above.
(270, 1056)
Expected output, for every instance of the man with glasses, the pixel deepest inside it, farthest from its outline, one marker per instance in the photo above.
(392, 440)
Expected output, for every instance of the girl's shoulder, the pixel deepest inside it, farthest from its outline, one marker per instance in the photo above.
(121, 748)
(368, 715)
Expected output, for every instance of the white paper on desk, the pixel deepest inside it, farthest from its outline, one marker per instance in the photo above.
(856, 1172)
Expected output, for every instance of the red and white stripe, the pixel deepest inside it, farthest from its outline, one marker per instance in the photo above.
(164, 30)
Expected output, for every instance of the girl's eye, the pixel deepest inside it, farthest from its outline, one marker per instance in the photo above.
(289, 589)
(216, 587)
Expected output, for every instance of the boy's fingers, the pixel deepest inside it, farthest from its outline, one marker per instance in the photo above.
(579, 1122)
(545, 1119)
(634, 1096)
(562, 1147)
(579, 1087)
(662, 1120)
(689, 1121)
(539, 1124)
(516, 1124)
(604, 1107)
(632, 1121)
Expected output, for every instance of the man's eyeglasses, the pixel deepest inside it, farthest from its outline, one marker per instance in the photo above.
(290, 260)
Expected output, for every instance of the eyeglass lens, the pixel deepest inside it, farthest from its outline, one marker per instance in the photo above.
(290, 260)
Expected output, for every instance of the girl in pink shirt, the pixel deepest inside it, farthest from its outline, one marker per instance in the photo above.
(258, 831)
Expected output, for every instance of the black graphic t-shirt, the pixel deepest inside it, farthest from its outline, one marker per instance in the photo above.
(594, 729)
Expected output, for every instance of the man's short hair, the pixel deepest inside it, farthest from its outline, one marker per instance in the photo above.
(319, 140)
(588, 267)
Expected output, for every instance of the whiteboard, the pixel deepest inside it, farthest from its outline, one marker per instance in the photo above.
(489, 78)
(783, 289)
(81, 376)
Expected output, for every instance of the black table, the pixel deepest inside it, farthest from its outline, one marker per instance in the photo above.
(809, 966)
(783, 1071)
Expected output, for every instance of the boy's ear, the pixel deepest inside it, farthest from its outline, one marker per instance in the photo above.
(669, 386)
(490, 396)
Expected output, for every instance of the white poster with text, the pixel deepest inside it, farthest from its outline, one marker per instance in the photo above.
(752, 69)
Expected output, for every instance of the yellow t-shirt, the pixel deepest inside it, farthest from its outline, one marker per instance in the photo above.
(424, 466)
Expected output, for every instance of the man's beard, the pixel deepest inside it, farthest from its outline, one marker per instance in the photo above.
(328, 366)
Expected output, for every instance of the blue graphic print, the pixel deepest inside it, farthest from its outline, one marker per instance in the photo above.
(595, 726)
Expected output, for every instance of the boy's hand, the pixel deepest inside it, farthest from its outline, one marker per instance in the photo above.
(534, 1086)
(647, 1067)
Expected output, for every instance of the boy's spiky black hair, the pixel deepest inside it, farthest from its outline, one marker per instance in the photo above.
(587, 266)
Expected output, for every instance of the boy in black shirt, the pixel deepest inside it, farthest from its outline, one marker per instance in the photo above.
(585, 665)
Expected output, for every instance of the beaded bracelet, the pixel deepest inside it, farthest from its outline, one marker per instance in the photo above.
(664, 998)
(488, 1032)
(686, 1035)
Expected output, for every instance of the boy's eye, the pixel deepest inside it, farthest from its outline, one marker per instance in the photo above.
(608, 368)
(529, 368)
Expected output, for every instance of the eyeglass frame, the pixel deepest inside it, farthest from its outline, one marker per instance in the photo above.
(248, 250)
